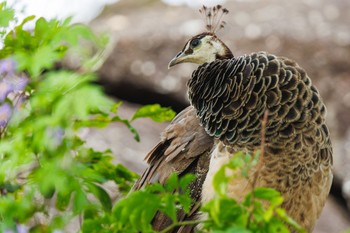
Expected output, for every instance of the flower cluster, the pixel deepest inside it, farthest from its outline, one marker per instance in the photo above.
(12, 93)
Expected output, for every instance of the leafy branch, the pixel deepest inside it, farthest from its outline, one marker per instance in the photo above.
(44, 165)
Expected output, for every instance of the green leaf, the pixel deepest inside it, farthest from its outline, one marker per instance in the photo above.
(14, 210)
(220, 181)
(268, 213)
(115, 107)
(124, 178)
(185, 202)
(6, 15)
(80, 201)
(170, 207)
(155, 188)
(186, 180)
(43, 58)
(101, 195)
(25, 20)
(268, 194)
(237, 161)
(144, 206)
(155, 112)
(172, 182)
(63, 200)
(277, 226)
(42, 28)
(234, 229)
(85, 100)
(283, 215)
(78, 31)
(35, 62)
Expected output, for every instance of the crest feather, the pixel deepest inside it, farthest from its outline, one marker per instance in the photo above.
(213, 17)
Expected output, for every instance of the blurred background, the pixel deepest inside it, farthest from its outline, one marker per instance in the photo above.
(146, 34)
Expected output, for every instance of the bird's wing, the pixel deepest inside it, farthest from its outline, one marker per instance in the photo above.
(184, 148)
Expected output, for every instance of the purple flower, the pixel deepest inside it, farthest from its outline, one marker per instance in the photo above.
(5, 89)
(21, 228)
(19, 82)
(56, 134)
(7, 67)
(5, 114)
(9, 80)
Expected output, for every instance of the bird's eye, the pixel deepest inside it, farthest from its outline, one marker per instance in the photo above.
(195, 43)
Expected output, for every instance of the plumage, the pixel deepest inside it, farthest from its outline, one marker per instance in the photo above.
(184, 148)
(229, 96)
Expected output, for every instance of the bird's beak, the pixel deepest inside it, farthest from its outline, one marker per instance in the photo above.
(180, 57)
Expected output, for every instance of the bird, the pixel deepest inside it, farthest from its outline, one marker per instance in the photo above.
(229, 96)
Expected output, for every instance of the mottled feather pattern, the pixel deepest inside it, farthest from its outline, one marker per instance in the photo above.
(232, 95)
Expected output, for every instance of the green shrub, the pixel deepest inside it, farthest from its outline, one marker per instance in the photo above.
(44, 163)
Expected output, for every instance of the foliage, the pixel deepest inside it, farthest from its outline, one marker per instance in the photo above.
(134, 213)
(49, 177)
(155, 112)
(259, 212)
(44, 163)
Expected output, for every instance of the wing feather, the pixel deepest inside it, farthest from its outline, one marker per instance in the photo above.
(184, 148)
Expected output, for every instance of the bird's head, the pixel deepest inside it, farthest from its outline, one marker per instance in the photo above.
(205, 47)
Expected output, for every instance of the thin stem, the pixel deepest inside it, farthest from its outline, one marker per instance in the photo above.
(263, 133)
(260, 163)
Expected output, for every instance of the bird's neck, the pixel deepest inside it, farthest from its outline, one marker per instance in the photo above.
(222, 50)
(225, 53)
